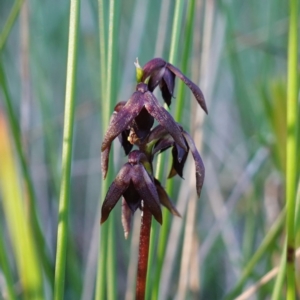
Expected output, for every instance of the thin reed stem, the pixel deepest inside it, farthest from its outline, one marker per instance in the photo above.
(177, 21)
(103, 53)
(101, 270)
(291, 150)
(108, 109)
(7, 271)
(67, 153)
(277, 293)
(10, 22)
(106, 273)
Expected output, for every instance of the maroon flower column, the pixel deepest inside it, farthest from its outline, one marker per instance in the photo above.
(143, 253)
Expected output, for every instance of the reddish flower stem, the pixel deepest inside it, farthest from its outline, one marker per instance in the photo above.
(143, 254)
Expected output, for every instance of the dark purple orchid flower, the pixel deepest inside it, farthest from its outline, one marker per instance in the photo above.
(134, 184)
(128, 136)
(163, 74)
(136, 110)
(132, 123)
(137, 130)
(164, 199)
(163, 141)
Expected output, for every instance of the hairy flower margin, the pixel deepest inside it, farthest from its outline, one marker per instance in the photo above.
(132, 123)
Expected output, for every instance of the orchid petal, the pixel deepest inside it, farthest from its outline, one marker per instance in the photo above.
(167, 86)
(155, 78)
(151, 66)
(193, 87)
(147, 190)
(126, 218)
(136, 157)
(164, 118)
(123, 118)
(179, 159)
(163, 144)
(115, 191)
(157, 133)
(200, 169)
(142, 124)
(164, 199)
(119, 106)
(105, 153)
(173, 173)
(132, 198)
(181, 153)
(105, 161)
(123, 139)
(123, 136)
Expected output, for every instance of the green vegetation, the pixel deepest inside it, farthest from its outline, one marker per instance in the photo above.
(64, 66)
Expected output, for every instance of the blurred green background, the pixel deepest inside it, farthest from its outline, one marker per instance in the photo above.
(237, 52)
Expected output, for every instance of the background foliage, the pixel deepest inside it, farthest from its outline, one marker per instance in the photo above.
(226, 240)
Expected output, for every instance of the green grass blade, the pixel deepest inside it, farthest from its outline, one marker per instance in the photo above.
(111, 261)
(176, 28)
(10, 22)
(103, 46)
(262, 250)
(278, 286)
(48, 128)
(15, 212)
(101, 270)
(7, 271)
(291, 166)
(111, 61)
(66, 153)
(39, 238)
(106, 274)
